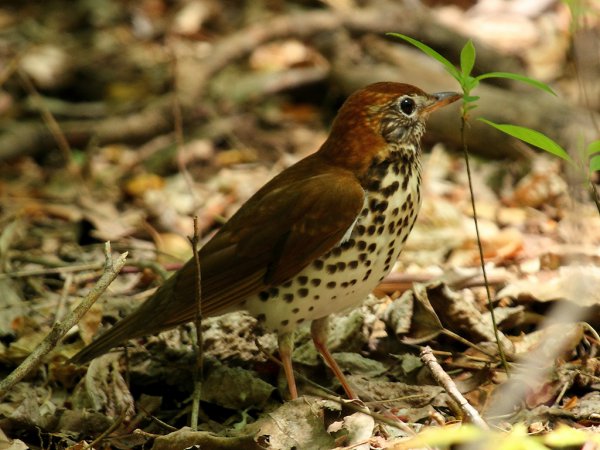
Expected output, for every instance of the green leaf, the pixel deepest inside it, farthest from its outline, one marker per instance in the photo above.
(467, 58)
(471, 98)
(515, 76)
(430, 52)
(532, 137)
(594, 147)
(595, 164)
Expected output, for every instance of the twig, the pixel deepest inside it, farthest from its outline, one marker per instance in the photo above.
(60, 329)
(53, 126)
(51, 270)
(404, 281)
(357, 406)
(198, 348)
(109, 430)
(178, 127)
(64, 295)
(444, 380)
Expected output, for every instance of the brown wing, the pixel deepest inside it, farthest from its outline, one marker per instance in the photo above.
(295, 218)
(289, 223)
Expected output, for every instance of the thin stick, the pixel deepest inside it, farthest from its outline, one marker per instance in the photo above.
(198, 348)
(444, 380)
(53, 126)
(60, 328)
(178, 127)
(64, 295)
(109, 430)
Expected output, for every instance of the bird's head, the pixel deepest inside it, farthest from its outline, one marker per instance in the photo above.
(382, 117)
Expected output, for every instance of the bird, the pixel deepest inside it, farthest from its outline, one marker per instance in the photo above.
(314, 240)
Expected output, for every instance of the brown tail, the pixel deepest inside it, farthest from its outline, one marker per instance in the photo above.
(149, 318)
(118, 334)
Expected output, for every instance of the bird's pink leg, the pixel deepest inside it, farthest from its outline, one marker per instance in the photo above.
(319, 330)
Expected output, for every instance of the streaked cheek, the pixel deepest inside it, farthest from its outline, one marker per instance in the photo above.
(392, 130)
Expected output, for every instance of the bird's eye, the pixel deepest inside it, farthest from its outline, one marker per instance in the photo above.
(407, 106)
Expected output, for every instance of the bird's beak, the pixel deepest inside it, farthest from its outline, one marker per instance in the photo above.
(441, 99)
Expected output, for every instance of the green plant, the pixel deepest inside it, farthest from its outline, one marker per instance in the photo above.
(468, 83)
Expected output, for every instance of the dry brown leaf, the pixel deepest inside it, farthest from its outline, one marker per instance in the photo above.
(578, 284)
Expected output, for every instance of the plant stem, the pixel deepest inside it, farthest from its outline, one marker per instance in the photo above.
(463, 122)
(595, 195)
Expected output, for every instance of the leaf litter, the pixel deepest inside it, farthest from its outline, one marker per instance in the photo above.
(541, 245)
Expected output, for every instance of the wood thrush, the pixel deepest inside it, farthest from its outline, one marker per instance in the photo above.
(314, 240)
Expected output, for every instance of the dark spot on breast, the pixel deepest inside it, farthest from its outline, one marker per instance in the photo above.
(353, 264)
(289, 298)
(380, 230)
(404, 238)
(386, 269)
(302, 292)
(316, 297)
(263, 295)
(379, 218)
(341, 265)
(388, 260)
(311, 308)
(331, 268)
(391, 189)
(361, 245)
(348, 244)
(364, 212)
(360, 229)
(296, 310)
(285, 322)
(318, 264)
(392, 243)
(261, 317)
(395, 212)
(367, 275)
(405, 183)
(337, 251)
(299, 321)
(391, 227)
(352, 283)
(368, 263)
(371, 230)
(302, 280)
(344, 284)
(372, 247)
(315, 282)
(331, 285)
(362, 257)
(378, 206)
(373, 185)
